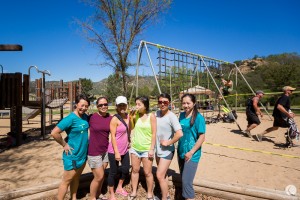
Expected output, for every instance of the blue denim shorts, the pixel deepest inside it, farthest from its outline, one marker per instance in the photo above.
(168, 157)
(140, 154)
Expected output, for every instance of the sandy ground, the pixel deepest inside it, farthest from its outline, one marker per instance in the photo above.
(228, 157)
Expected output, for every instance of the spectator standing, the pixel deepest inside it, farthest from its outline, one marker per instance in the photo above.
(75, 146)
(189, 146)
(98, 144)
(142, 147)
(118, 147)
(168, 132)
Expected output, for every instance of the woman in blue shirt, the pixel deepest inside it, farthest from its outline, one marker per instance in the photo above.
(74, 146)
(189, 146)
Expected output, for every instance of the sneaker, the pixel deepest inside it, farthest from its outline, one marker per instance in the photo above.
(247, 133)
(259, 137)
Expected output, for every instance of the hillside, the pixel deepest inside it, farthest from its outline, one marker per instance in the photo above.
(99, 88)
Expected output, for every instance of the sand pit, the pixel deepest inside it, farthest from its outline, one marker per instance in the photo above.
(228, 157)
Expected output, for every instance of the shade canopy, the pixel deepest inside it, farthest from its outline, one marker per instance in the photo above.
(197, 90)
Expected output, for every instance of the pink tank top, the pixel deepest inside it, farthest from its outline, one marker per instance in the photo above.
(122, 140)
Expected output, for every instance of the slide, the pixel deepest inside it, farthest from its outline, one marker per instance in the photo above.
(31, 115)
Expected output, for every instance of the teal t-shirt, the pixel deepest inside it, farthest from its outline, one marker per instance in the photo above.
(77, 132)
(190, 135)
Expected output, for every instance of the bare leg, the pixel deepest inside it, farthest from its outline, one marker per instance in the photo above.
(66, 180)
(120, 184)
(268, 130)
(136, 164)
(252, 126)
(162, 169)
(111, 190)
(75, 182)
(101, 183)
(147, 164)
(96, 184)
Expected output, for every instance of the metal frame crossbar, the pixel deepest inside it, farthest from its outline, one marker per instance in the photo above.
(169, 58)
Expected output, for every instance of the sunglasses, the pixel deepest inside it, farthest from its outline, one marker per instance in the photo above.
(100, 105)
(163, 102)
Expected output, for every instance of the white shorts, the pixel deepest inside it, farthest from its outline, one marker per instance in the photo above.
(97, 161)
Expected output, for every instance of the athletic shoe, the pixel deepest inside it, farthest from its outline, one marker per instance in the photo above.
(259, 137)
(247, 133)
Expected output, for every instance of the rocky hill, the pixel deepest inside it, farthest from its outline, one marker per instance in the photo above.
(250, 65)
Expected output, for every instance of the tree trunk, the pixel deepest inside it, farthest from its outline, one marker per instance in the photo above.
(124, 82)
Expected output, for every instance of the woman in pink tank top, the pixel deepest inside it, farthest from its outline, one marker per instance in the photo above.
(118, 147)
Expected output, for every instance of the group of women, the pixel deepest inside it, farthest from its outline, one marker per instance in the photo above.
(138, 136)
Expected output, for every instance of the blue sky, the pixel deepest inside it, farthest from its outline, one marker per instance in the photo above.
(229, 30)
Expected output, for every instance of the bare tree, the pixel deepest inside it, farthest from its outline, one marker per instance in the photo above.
(115, 26)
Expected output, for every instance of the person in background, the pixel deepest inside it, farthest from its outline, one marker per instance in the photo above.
(118, 147)
(168, 132)
(253, 111)
(281, 113)
(142, 146)
(75, 146)
(189, 145)
(226, 88)
(98, 144)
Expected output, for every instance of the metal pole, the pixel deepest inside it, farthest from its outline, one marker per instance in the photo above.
(43, 111)
(1, 71)
(153, 69)
(219, 91)
(252, 90)
(43, 121)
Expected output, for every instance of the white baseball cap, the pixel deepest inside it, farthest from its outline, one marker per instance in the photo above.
(285, 88)
(121, 99)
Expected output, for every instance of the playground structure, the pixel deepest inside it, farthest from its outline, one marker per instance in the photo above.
(178, 72)
(17, 94)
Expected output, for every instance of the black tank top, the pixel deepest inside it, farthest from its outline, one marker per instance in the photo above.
(250, 107)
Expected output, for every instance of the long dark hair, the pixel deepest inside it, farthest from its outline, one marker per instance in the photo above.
(145, 101)
(195, 111)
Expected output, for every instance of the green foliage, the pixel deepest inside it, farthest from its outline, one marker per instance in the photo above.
(113, 87)
(281, 70)
(86, 87)
(115, 26)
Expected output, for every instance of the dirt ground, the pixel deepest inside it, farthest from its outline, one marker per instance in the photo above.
(228, 157)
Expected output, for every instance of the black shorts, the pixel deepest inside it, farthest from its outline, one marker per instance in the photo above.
(280, 122)
(252, 118)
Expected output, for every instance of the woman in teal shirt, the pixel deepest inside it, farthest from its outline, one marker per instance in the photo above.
(74, 146)
(189, 146)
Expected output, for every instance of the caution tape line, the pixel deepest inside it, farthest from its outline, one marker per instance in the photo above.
(249, 94)
(253, 150)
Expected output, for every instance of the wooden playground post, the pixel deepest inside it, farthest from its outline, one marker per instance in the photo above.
(60, 93)
(11, 97)
(16, 109)
(51, 97)
(70, 91)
